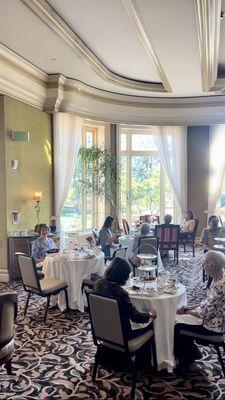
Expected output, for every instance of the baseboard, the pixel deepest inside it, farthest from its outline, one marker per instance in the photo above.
(4, 275)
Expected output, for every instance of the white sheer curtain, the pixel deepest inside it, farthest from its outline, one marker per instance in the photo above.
(67, 133)
(172, 146)
(216, 165)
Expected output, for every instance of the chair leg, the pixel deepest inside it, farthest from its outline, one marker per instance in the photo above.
(220, 359)
(46, 309)
(8, 366)
(134, 380)
(193, 250)
(27, 302)
(203, 275)
(154, 357)
(184, 248)
(177, 251)
(66, 297)
(94, 373)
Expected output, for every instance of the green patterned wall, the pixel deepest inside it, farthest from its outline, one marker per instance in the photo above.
(35, 170)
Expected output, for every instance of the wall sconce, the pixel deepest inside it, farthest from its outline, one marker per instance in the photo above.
(38, 197)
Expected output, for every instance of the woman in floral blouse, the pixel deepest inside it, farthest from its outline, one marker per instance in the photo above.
(42, 244)
(210, 313)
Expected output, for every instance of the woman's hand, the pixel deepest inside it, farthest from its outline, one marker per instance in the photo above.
(183, 310)
(153, 314)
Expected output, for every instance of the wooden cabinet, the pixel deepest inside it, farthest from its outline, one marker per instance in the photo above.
(17, 243)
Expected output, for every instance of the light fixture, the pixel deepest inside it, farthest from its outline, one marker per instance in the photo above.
(38, 197)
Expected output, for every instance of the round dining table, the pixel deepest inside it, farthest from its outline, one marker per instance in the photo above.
(166, 305)
(72, 269)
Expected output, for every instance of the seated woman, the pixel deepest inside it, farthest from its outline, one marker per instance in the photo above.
(144, 231)
(211, 311)
(116, 276)
(42, 244)
(209, 234)
(188, 225)
(167, 219)
(106, 237)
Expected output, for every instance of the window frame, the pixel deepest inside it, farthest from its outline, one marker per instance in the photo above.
(129, 153)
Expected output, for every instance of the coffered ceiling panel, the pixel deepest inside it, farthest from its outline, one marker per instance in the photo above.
(108, 31)
(172, 28)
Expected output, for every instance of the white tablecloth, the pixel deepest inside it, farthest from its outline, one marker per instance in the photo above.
(166, 306)
(73, 272)
(128, 241)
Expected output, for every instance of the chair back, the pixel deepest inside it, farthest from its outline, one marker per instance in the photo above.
(8, 313)
(148, 244)
(120, 252)
(30, 245)
(105, 320)
(126, 227)
(150, 219)
(193, 233)
(96, 235)
(29, 274)
(168, 236)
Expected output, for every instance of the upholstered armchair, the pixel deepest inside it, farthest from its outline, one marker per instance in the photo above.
(8, 313)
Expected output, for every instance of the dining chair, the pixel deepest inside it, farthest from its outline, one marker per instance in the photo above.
(120, 252)
(126, 227)
(190, 239)
(89, 282)
(108, 331)
(41, 287)
(151, 218)
(168, 238)
(209, 340)
(96, 235)
(8, 313)
(146, 245)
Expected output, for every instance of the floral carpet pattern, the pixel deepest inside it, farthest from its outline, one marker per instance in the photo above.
(54, 359)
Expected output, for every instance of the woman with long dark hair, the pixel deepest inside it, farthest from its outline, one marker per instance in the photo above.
(116, 275)
(106, 237)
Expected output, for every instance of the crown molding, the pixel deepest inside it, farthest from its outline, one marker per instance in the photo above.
(74, 87)
(138, 24)
(208, 26)
(21, 80)
(47, 14)
(54, 92)
(19, 64)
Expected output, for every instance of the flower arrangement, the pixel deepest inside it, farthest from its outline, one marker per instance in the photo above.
(90, 240)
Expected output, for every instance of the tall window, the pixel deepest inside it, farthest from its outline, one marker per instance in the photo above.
(220, 209)
(145, 188)
(82, 211)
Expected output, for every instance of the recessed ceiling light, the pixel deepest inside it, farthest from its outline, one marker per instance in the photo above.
(79, 89)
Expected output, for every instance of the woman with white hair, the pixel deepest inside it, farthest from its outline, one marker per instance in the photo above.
(210, 313)
(144, 231)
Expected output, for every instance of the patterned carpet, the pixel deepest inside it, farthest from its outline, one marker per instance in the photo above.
(54, 360)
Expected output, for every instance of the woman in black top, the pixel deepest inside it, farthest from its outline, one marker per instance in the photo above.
(111, 284)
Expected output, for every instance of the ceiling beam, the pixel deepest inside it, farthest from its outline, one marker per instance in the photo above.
(49, 16)
(208, 25)
(137, 22)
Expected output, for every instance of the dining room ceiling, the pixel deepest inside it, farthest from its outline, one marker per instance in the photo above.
(161, 48)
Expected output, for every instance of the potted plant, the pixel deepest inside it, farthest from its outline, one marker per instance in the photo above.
(101, 175)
